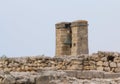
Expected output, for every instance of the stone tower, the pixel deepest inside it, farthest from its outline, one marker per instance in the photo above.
(62, 32)
(79, 37)
(72, 38)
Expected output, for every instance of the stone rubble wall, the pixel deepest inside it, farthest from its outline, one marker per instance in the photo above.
(59, 77)
(101, 61)
(98, 68)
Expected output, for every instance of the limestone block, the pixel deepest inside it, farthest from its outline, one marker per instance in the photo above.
(23, 81)
(6, 62)
(8, 79)
(119, 58)
(52, 62)
(113, 64)
(104, 59)
(18, 69)
(10, 65)
(30, 65)
(39, 61)
(107, 69)
(100, 68)
(32, 80)
(7, 69)
(118, 64)
(60, 66)
(13, 68)
(117, 61)
(44, 79)
(112, 70)
(22, 67)
(89, 74)
(1, 62)
(101, 54)
(86, 67)
(117, 70)
(106, 64)
(92, 62)
(111, 75)
(86, 63)
(116, 54)
(99, 63)
(63, 68)
(92, 67)
(75, 67)
(16, 65)
(1, 65)
(94, 58)
(72, 73)
(76, 62)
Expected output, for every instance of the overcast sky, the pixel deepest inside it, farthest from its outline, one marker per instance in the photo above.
(27, 27)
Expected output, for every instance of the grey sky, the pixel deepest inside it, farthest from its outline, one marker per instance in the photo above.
(27, 27)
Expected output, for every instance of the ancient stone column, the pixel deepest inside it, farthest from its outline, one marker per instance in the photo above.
(63, 39)
(79, 37)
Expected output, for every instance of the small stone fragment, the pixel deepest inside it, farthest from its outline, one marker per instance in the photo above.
(113, 64)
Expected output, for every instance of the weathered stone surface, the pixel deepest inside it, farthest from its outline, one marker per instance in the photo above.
(7, 78)
(72, 31)
(60, 77)
(116, 59)
(44, 79)
(100, 68)
(99, 63)
(94, 57)
(106, 64)
(113, 64)
(116, 54)
(86, 67)
(82, 62)
(117, 70)
(107, 69)
(111, 75)
(75, 67)
(118, 64)
(104, 59)
(21, 69)
(89, 74)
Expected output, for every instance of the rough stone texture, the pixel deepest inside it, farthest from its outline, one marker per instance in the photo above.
(59, 77)
(106, 64)
(113, 64)
(62, 31)
(100, 68)
(62, 70)
(72, 38)
(99, 63)
(81, 62)
(79, 37)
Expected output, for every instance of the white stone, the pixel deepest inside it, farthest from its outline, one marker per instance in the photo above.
(113, 64)
(100, 68)
(99, 63)
(106, 64)
(118, 64)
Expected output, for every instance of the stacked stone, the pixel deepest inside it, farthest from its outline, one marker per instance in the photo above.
(108, 61)
(101, 61)
(62, 32)
(40, 63)
(79, 37)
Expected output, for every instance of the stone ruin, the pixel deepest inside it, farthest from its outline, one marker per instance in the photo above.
(72, 38)
(98, 68)
(72, 65)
